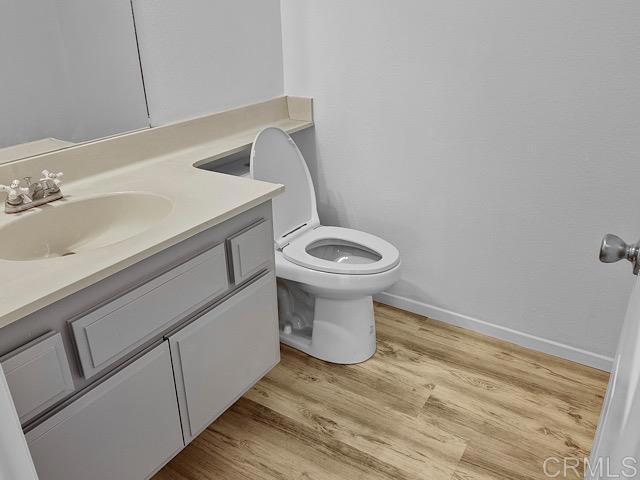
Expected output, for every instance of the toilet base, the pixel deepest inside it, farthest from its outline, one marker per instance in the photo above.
(344, 331)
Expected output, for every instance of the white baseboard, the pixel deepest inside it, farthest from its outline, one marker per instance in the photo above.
(519, 338)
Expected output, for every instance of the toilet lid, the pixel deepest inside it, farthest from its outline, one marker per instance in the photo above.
(275, 158)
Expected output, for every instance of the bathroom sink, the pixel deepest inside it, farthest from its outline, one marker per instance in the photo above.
(71, 226)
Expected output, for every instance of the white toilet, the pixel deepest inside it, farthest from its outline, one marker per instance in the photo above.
(326, 275)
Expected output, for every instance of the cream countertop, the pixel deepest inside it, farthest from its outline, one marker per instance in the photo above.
(200, 200)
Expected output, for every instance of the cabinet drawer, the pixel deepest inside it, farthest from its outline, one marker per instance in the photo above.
(251, 250)
(38, 375)
(222, 354)
(125, 428)
(117, 328)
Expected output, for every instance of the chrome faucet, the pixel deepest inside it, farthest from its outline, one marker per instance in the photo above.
(45, 190)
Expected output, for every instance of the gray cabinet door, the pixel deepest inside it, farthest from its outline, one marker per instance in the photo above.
(126, 428)
(222, 354)
(251, 250)
(38, 375)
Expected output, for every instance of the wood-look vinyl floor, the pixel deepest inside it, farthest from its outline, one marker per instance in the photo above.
(435, 402)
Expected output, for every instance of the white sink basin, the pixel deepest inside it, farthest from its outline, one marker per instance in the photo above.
(70, 226)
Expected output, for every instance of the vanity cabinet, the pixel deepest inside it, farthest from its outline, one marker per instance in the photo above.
(124, 429)
(219, 356)
(111, 382)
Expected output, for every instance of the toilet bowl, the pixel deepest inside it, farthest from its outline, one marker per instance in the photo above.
(326, 275)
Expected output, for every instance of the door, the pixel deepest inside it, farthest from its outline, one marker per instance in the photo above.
(126, 428)
(223, 353)
(616, 448)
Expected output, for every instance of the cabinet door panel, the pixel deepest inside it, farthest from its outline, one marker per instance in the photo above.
(125, 428)
(251, 250)
(222, 354)
(123, 324)
(38, 375)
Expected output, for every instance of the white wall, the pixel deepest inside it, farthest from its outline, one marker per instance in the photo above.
(204, 56)
(70, 70)
(493, 142)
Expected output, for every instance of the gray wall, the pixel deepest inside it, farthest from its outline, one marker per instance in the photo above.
(205, 56)
(493, 142)
(70, 70)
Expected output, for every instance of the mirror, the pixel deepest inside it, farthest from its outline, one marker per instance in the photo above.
(70, 73)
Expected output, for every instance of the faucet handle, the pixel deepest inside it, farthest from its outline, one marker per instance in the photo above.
(47, 175)
(14, 191)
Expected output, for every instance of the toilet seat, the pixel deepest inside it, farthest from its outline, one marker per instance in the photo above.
(297, 251)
